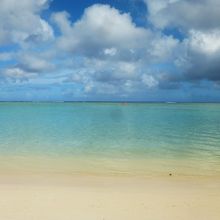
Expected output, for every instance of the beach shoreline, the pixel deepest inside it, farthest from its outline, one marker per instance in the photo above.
(109, 162)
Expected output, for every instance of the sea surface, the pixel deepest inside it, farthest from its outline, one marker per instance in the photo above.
(114, 138)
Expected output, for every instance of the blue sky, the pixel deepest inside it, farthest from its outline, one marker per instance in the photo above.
(119, 50)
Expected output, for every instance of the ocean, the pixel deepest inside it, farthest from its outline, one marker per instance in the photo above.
(111, 138)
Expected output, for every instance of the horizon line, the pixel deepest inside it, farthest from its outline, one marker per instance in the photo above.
(93, 101)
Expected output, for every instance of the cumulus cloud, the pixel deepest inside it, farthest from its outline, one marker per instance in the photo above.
(34, 63)
(199, 52)
(206, 42)
(184, 14)
(162, 48)
(102, 31)
(149, 80)
(98, 74)
(16, 74)
(26, 65)
(21, 21)
(117, 54)
(203, 55)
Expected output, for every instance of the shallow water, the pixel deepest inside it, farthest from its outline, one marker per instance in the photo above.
(114, 137)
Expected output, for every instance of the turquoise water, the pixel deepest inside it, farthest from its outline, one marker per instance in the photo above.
(189, 133)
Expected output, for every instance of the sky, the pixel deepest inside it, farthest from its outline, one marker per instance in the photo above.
(110, 50)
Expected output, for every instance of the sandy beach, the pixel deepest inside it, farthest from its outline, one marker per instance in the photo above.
(104, 161)
(82, 197)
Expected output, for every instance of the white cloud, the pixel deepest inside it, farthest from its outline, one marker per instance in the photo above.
(110, 51)
(34, 63)
(115, 51)
(102, 30)
(149, 81)
(163, 48)
(185, 14)
(207, 42)
(202, 56)
(197, 57)
(20, 21)
(16, 74)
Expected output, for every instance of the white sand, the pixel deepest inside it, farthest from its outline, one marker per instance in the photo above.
(60, 197)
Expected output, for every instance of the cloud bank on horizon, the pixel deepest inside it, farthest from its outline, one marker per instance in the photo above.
(105, 54)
